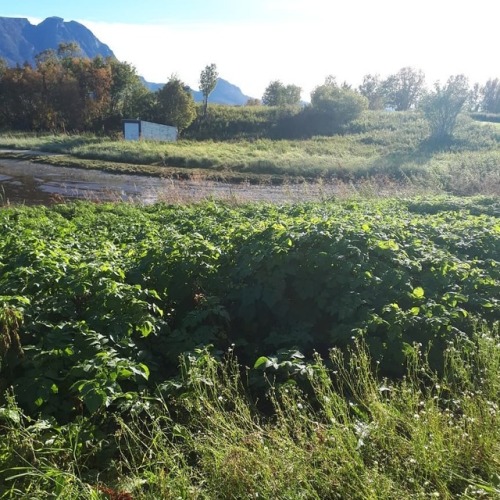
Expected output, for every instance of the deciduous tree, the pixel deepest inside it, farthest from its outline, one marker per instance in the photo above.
(208, 82)
(491, 96)
(175, 104)
(473, 103)
(253, 101)
(372, 89)
(442, 106)
(128, 95)
(404, 89)
(278, 94)
(68, 50)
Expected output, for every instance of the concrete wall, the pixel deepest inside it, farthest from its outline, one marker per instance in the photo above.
(133, 130)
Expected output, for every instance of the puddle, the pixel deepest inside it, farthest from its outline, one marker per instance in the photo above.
(31, 184)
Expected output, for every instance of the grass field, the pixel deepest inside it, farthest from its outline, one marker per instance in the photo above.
(378, 145)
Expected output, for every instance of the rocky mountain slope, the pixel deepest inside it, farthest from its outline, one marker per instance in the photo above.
(21, 41)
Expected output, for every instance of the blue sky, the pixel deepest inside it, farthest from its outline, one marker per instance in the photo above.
(154, 11)
(296, 41)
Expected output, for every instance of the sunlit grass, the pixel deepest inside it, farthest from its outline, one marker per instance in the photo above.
(347, 434)
(390, 145)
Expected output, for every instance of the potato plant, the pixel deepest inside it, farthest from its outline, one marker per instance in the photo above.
(98, 301)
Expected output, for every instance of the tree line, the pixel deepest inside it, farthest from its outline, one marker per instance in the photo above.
(400, 91)
(63, 91)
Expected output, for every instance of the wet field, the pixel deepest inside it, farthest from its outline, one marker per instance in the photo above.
(23, 182)
(31, 184)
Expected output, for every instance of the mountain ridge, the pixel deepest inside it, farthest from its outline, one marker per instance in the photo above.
(21, 41)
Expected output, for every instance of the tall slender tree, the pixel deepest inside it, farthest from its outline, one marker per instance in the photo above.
(208, 82)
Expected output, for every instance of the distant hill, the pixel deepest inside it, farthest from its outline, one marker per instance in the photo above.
(21, 41)
(224, 93)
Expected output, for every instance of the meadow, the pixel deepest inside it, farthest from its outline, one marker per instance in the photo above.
(378, 147)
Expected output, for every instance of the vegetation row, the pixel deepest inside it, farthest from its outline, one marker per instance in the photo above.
(65, 92)
(101, 300)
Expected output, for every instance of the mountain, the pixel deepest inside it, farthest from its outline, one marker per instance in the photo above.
(21, 41)
(224, 93)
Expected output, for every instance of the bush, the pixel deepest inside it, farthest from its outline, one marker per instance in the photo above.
(237, 122)
(332, 107)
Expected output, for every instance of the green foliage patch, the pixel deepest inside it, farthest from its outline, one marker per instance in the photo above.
(114, 320)
(102, 300)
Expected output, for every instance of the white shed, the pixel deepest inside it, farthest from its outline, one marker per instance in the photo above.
(134, 130)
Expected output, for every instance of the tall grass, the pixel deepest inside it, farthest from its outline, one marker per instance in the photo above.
(343, 432)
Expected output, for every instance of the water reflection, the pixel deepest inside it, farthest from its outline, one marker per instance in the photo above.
(31, 184)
